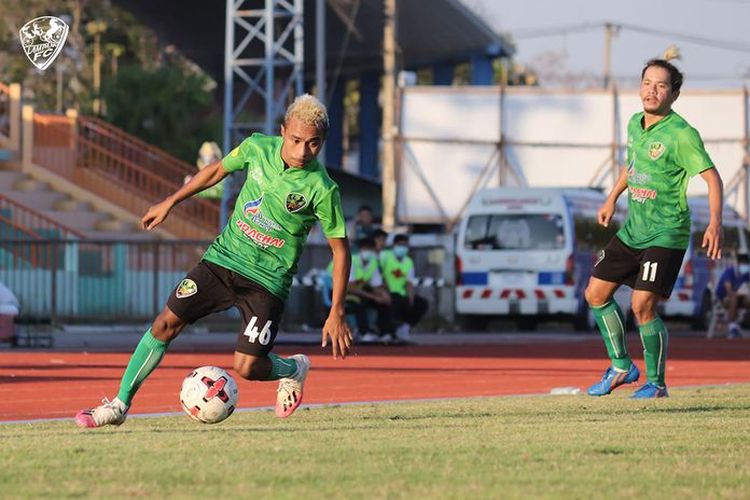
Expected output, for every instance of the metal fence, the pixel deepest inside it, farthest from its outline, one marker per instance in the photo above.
(74, 281)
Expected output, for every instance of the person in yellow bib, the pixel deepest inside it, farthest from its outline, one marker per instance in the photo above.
(398, 273)
(366, 293)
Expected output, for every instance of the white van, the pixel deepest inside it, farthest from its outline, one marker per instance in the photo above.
(527, 253)
(691, 297)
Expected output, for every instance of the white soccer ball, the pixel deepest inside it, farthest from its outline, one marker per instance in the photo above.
(209, 394)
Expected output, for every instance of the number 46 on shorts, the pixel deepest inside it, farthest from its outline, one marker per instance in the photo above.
(263, 336)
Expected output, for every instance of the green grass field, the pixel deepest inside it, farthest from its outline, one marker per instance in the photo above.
(695, 444)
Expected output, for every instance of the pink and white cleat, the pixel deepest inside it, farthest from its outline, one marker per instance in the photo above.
(289, 394)
(108, 413)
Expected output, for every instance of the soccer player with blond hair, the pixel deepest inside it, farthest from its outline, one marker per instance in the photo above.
(251, 263)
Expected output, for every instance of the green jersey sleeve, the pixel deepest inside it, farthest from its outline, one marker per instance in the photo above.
(235, 160)
(691, 154)
(330, 214)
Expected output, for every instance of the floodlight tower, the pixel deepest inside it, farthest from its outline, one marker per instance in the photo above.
(263, 60)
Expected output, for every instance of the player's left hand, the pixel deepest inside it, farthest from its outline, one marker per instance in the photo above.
(338, 331)
(712, 241)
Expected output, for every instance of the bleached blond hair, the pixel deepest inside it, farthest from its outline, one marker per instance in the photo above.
(310, 111)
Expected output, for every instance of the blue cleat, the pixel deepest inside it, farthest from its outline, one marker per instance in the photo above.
(650, 390)
(613, 379)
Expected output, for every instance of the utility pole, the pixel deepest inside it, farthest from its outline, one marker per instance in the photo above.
(610, 30)
(320, 57)
(389, 92)
(96, 28)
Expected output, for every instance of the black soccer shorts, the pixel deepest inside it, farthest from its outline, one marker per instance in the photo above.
(210, 288)
(654, 269)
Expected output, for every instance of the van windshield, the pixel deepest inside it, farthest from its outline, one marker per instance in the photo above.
(515, 232)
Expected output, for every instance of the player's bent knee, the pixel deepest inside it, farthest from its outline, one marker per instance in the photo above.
(594, 297)
(643, 310)
(167, 326)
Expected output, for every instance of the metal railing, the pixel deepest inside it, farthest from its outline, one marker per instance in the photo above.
(20, 221)
(72, 281)
(116, 166)
(4, 110)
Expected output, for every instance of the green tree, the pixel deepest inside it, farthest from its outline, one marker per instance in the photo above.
(165, 106)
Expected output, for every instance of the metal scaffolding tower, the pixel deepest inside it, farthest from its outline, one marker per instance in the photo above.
(264, 52)
(263, 60)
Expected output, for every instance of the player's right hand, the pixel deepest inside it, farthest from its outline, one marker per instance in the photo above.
(605, 213)
(156, 214)
(338, 331)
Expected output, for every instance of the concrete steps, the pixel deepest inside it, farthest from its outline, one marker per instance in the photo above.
(8, 178)
(77, 214)
(39, 200)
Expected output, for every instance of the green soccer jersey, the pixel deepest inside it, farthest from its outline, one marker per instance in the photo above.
(275, 210)
(661, 161)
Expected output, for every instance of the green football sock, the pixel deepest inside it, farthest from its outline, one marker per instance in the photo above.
(281, 367)
(611, 323)
(145, 359)
(655, 339)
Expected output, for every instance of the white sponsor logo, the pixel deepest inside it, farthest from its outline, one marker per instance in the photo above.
(43, 39)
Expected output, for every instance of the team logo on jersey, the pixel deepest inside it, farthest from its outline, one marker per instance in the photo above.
(186, 288)
(251, 207)
(42, 39)
(295, 202)
(655, 150)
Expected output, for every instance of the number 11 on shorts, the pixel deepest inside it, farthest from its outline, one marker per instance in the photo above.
(649, 271)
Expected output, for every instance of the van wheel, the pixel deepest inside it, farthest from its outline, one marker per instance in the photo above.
(527, 324)
(701, 320)
(473, 322)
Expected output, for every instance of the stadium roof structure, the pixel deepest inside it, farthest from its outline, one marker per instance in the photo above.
(428, 32)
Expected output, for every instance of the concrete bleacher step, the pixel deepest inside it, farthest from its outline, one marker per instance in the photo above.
(64, 208)
(38, 200)
(79, 220)
(8, 178)
(71, 205)
(116, 226)
(30, 184)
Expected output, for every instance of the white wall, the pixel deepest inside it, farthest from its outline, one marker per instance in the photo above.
(553, 138)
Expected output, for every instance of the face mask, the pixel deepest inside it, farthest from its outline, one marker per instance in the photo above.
(400, 251)
(744, 268)
(366, 255)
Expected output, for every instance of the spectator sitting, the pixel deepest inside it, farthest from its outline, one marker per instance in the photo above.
(398, 273)
(380, 237)
(366, 293)
(727, 290)
(363, 225)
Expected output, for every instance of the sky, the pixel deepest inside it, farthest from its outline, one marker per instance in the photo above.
(576, 58)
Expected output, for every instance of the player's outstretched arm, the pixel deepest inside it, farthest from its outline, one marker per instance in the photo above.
(204, 179)
(335, 327)
(712, 235)
(607, 210)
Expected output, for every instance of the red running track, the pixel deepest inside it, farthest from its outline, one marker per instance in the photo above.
(37, 385)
